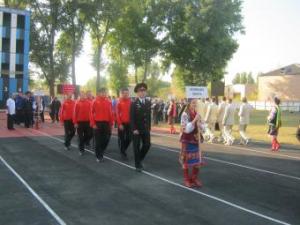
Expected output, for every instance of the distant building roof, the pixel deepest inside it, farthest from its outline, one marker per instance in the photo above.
(293, 69)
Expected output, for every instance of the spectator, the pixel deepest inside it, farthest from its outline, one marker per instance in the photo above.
(11, 107)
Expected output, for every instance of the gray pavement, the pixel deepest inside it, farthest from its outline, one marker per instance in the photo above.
(82, 191)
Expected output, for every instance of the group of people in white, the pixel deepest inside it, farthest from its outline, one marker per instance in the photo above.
(222, 117)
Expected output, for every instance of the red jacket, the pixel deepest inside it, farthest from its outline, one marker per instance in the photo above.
(101, 111)
(67, 110)
(123, 111)
(82, 111)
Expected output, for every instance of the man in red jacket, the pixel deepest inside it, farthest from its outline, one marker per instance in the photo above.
(123, 121)
(81, 120)
(102, 121)
(66, 116)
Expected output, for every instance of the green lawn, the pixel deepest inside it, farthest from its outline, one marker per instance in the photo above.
(257, 130)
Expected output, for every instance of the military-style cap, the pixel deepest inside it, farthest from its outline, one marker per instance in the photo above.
(139, 86)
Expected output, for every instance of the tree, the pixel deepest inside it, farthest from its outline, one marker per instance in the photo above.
(46, 20)
(243, 78)
(117, 77)
(135, 35)
(73, 26)
(199, 37)
(99, 15)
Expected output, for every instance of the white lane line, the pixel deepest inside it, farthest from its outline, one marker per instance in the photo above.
(183, 187)
(43, 203)
(239, 148)
(236, 164)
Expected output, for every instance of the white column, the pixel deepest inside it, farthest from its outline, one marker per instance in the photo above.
(13, 42)
(1, 27)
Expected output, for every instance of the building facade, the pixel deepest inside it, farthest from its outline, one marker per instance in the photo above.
(283, 82)
(14, 51)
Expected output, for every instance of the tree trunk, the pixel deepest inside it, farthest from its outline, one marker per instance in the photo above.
(145, 71)
(135, 74)
(51, 88)
(73, 69)
(98, 67)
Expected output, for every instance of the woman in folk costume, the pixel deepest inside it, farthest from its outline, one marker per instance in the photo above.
(190, 151)
(172, 115)
(274, 121)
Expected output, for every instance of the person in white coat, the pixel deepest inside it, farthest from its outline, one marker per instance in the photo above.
(244, 115)
(228, 122)
(221, 111)
(211, 119)
(11, 111)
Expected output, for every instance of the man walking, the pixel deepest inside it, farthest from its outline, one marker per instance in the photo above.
(102, 120)
(123, 121)
(11, 111)
(140, 121)
(244, 114)
(228, 122)
(66, 116)
(211, 119)
(81, 120)
(221, 111)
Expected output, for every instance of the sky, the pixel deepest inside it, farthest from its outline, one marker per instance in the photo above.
(272, 40)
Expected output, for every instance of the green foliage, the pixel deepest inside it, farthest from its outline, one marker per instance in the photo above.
(243, 78)
(199, 37)
(117, 77)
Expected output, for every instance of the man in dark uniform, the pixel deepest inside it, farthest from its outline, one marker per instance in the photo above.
(140, 123)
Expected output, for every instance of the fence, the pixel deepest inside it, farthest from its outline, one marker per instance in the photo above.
(291, 106)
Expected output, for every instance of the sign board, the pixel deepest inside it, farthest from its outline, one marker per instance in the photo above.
(196, 92)
(66, 88)
(38, 93)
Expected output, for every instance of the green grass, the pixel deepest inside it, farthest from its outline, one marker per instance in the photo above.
(257, 130)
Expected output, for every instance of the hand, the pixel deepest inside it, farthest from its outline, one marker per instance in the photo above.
(136, 132)
(121, 127)
(94, 126)
(76, 125)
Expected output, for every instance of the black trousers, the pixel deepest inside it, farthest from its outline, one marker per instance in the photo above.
(140, 151)
(28, 119)
(19, 116)
(84, 134)
(10, 121)
(124, 138)
(102, 136)
(69, 132)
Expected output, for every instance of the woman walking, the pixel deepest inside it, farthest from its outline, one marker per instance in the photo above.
(190, 149)
(274, 121)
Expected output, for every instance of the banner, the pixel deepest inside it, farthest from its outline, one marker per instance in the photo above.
(196, 92)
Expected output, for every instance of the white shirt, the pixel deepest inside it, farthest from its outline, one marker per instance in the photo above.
(244, 113)
(229, 115)
(211, 113)
(11, 106)
(221, 111)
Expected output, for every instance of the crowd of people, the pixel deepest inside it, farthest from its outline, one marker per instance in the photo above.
(93, 118)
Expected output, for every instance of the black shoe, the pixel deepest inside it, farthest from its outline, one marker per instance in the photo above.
(138, 169)
(124, 156)
(100, 160)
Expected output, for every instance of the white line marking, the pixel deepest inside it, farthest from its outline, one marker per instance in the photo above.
(43, 203)
(239, 148)
(235, 164)
(183, 187)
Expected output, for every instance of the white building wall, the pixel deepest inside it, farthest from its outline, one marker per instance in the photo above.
(12, 58)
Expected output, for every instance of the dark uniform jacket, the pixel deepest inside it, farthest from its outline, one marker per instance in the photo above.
(140, 115)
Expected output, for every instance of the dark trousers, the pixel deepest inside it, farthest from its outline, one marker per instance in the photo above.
(19, 116)
(28, 117)
(10, 121)
(84, 134)
(69, 132)
(140, 151)
(124, 138)
(42, 116)
(102, 136)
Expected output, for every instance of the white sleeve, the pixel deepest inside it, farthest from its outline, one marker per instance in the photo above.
(187, 126)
